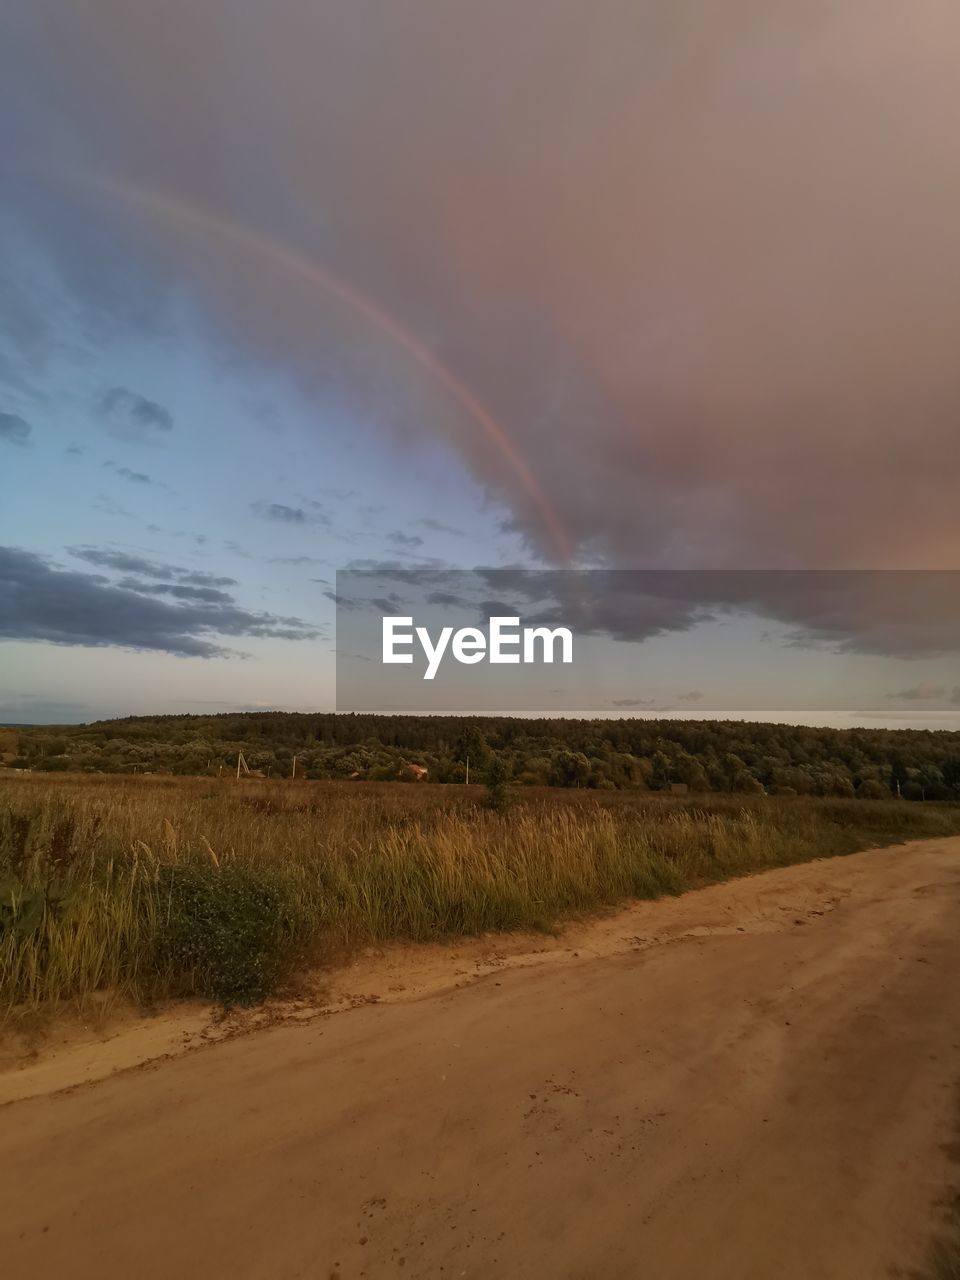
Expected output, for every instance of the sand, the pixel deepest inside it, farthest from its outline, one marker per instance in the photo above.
(752, 1082)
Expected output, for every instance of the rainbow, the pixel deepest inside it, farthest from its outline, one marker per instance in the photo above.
(305, 269)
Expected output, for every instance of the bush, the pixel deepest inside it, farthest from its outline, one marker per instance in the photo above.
(225, 932)
(496, 775)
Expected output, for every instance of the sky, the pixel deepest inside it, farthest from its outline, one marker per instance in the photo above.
(629, 284)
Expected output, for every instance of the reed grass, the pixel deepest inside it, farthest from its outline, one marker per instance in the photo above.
(153, 887)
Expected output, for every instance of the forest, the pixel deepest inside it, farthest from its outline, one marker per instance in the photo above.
(652, 755)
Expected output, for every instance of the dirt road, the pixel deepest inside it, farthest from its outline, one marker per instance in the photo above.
(753, 1082)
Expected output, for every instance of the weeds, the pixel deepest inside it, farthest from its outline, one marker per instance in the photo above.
(148, 887)
(223, 933)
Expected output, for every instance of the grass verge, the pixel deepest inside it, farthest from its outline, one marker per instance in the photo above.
(166, 887)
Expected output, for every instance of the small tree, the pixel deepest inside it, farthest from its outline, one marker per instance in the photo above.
(496, 779)
(569, 769)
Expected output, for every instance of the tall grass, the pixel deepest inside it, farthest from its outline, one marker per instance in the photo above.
(152, 887)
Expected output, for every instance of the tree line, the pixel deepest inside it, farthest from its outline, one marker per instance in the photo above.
(655, 755)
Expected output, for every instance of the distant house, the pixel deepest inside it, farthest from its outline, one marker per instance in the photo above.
(419, 771)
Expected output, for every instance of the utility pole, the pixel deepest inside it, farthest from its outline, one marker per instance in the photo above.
(294, 771)
(468, 771)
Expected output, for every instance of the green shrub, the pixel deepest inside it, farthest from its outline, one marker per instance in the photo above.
(225, 932)
(496, 775)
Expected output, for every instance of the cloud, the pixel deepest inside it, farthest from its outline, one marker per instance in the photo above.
(925, 692)
(437, 526)
(209, 594)
(130, 416)
(141, 477)
(412, 564)
(631, 702)
(405, 541)
(39, 601)
(701, 274)
(387, 604)
(449, 600)
(693, 695)
(279, 512)
(125, 562)
(14, 430)
(891, 613)
(295, 560)
(920, 693)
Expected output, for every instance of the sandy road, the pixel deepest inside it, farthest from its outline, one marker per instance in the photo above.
(751, 1082)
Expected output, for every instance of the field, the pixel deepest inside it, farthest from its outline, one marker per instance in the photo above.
(155, 887)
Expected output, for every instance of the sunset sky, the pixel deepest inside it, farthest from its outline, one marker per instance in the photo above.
(295, 288)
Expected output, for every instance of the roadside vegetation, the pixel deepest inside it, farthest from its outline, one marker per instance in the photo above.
(154, 887)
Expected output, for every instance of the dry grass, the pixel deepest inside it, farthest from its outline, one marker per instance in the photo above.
(157, 886)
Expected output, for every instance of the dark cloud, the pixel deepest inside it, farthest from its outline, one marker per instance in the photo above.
(437, 526)
(892, 613)
(317, 510)
(631, 702)
(703, 273)
(107, 558)
(405, 541)
(449, 599)
(410, 565)
(14, 430)
(201, 578)
(387, 604)
(921, 693)
(141, 477)
(41, 602)
(130, 416)
(344, 601)
(295, 560)
(209, 594)
(279, 512)
(692, 695)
